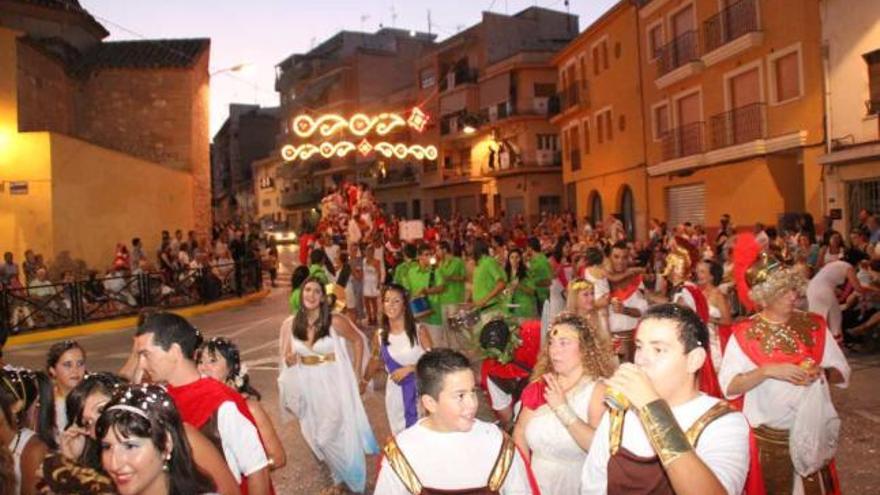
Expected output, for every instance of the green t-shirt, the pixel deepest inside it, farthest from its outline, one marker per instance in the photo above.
(418, 279)
(526, 307)
(487, 274)
(452, 267)
(400, 274)
(540, 271)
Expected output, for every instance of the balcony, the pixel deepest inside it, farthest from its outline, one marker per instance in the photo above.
(731, 31)
(738, 126)
(545, 161)
(683, 141)
(678, 59)
(304, 197)
(873, 107)
(397, 176)
(429, 166)
(571, 96)
(458, 77)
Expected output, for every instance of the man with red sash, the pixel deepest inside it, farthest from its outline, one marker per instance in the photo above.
(670, 438)
(509, 356)
(166, 344)
(627, 302)
(772, 359)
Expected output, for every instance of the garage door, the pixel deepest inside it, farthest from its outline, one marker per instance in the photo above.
(686, 204)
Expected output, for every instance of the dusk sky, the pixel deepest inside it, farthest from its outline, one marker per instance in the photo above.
(262, 33)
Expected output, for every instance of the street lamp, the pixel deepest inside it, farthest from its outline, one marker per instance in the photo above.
(244, 67)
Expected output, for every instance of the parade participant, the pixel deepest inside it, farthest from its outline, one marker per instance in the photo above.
(372, 269)
(563, 405)
(581, 300)
(821, 295)
(540, 272)
(772, 359)
(422, 280)
(318, 266)
(397, 346)
(166, 344)
(66, 365)
(143, 446)
(219, 359)
(314, 349)
(520, 290)
(401, 271)
(18, 396)
(78, 463)
(509, 352)
(672, 438)
(709, 276)
(451, 450)
(451, 268)
(628, 302)
(488, 278)
(300, 274)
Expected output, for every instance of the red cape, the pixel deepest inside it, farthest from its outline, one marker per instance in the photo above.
(526, 354)
(624, 292)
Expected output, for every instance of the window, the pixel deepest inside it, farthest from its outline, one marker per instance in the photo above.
(605, 54)
(604, 126)
(785, 73)
(609, 125)
(661, 121)
(427, 78)
(873, 61)
(595, 53)
(655, 40)
(628, 212)
(583, 63)
(550, 204)
(575, 148)
(548, 142)
(595, 208)
(587, 137)
(600, 125)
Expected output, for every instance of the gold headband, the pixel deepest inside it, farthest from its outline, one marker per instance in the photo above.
(562, 330)
(580, 284)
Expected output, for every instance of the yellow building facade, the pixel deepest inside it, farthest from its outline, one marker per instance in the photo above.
(58, 193)
(600, 121)
(733, 109)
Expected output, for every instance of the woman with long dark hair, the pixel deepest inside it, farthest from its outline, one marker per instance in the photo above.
(220, 359)
(520, 290)
(321, 386)
(398, 345)
(143, 445)
(18, 392)
(66, 365)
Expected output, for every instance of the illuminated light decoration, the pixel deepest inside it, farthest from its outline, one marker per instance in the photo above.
(359, 124)
(342, 148)
(418, 119)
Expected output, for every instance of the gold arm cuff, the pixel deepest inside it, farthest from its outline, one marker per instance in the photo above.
(666, 436)
(566, 415)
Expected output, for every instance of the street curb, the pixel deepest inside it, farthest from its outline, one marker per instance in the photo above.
(127, 322)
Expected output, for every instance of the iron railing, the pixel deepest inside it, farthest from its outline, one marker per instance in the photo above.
(730, 23)
(461, 76)
(100, 298)
(683, 141)
(681, 50)
(737, 126)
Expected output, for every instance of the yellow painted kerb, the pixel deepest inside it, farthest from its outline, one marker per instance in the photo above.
(120, 323)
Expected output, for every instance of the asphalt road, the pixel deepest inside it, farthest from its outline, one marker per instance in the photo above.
(255, 328)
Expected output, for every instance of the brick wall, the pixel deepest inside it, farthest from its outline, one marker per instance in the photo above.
(45, 92)
(200, 150)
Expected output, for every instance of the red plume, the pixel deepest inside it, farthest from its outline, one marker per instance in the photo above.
(745, 253)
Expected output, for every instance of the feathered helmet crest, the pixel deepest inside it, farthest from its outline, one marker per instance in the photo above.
(760, 276)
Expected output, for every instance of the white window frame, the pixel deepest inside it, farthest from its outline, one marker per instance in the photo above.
(654, 128)
(670, 27)
(771, 65)
(569, 63)
(759, 64)
(657, 23)
(599, 119)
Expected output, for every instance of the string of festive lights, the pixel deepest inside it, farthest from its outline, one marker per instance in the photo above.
(341, 149)
(359, 124)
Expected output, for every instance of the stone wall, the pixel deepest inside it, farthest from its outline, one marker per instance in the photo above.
(45, 92)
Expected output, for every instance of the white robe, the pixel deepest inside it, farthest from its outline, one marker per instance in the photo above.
(451, 461)
(723, 446)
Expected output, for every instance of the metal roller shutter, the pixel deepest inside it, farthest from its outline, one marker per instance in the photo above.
(686, 204)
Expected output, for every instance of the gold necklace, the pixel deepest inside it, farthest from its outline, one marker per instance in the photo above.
(784, 336)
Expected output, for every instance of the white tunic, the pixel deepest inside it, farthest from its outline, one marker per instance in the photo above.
(774, 402)
(16, 448)
(714, 338)
(619, 322)
(407, 355)
(452, 461)
(723, 446)
(557, 460)
(820, 293)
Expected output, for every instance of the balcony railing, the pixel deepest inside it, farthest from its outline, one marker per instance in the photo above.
(683, 141)
(740, 125)
(681, 50)
(403, 175)
(299, 198)
(460, 76)
(729, 24)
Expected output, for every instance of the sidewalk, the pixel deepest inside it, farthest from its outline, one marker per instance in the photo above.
(126, 322)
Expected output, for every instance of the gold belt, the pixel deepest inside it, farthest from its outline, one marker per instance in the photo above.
(316, 359)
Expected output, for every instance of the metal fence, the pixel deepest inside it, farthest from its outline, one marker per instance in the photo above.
(76, 302)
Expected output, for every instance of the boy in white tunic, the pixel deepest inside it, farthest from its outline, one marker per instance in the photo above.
(673, 438)
(451, 449)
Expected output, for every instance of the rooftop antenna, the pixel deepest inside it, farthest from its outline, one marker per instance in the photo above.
(429, 21)
(393, 15)
(364, 18)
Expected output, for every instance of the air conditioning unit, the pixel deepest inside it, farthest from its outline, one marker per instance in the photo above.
(545, 157)
(540, 104)
(493, 113)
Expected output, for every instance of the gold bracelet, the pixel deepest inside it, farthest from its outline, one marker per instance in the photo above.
(566, 415)
(666, 436)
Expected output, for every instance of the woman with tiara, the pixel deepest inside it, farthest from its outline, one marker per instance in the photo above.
(321, 386)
